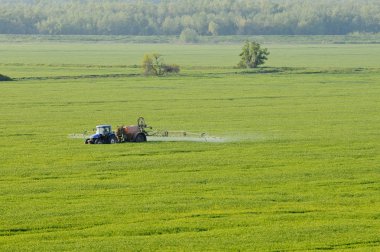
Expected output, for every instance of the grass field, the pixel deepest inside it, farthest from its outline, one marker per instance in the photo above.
(299, 169)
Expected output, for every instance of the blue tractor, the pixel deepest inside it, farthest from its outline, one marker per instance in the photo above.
(103, 135)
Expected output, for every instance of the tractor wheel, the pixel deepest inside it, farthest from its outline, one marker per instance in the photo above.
(113, 140)
(140, 138)
(99, 141)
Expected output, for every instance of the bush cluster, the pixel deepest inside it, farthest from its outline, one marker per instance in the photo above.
(153, 64)
(171, 68)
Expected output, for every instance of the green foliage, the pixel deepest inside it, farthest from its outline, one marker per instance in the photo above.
(171, 17)
(213, 28)
(189, 36)
(153, 64)
(147, 65)
(252, 55)
(298, 171)
(5, 78)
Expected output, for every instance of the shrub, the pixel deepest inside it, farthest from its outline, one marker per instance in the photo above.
(189, 36)
(171, 68)
(153, 64)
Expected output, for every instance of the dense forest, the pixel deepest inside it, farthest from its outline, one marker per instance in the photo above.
(203, 17)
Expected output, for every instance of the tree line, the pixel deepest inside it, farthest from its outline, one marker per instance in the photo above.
(202, 17)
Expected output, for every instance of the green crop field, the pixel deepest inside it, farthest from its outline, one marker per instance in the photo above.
(298, 168)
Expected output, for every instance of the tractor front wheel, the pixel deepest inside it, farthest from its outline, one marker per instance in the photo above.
(99, 141)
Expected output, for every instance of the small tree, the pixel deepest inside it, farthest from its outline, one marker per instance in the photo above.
(158, 64)
(153, 64)
(147, 64)
(252, 55)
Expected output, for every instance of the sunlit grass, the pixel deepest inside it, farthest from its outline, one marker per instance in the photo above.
(299, 170)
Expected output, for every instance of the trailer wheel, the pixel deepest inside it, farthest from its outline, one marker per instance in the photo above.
(140, 138)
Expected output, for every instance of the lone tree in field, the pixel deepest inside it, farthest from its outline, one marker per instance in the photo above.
(153, 64)
(252, 55)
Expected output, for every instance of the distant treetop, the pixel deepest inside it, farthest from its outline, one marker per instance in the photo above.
(172, 17)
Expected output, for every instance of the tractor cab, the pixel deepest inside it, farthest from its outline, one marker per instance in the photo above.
(103, 130)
